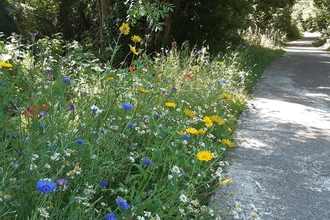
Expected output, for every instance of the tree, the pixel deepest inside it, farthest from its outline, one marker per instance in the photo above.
(7, 25)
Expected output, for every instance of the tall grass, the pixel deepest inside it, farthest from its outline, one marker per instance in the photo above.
(82, 139)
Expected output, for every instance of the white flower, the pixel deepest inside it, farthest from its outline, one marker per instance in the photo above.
(33, 166)
(34, 156)
(235, 214)
(132, 159)
(182, 212)
(183, 198)
(56, 156)
(47, 166)
(147, 214)
(175, 169)
(238, 206)
(96, 110)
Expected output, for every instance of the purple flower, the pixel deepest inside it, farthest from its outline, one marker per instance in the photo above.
(42, 113)
(80, 142)
(104, 183)
(33, 34)
(127, 106)
(110, 216)
(62, 182)
(122, 203)
(66, 79)
(46, 186)
(174, 89)
(10, 108)
(71, 107)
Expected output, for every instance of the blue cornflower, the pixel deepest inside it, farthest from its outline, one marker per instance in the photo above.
(110, 216)
(46, 186)
(147, 162)
(66, 79)
(186, 136)
(42, 126)
(122, 203)
(80, 142)
(223, 81)
(104, 183)
(131, 125)
(127, 106)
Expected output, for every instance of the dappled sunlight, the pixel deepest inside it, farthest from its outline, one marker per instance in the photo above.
(303, 49)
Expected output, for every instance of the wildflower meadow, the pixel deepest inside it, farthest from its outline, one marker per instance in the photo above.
(82, 138)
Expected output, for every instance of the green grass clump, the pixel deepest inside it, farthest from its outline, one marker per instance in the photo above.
(81, 139)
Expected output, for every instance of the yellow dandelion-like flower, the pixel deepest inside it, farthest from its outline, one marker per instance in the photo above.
(136, 39)
(142, 90)
(222, 63)
(201, 131)
(204, 156)
(192, 131)
(225, 96)
(170, 104)
(225, 181)
(110, 78)
(124, 28)
(227, 142)
(133, 50)
(208, 122)
(5, 65)
(230, 130)
(189, 113)
(216, 119)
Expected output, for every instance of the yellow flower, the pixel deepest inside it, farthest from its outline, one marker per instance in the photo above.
(133, 50)
(136, 38)
(217, 119)
(189, 113)
(227, 142)
(201, 131)
(222, 63)
(208, 121)
(124, 29)
(170, 104)
(6, 65)
(192, 131)
(225, 96)
(204, 156)
(143, 90)
(110, 78)
(225, 181)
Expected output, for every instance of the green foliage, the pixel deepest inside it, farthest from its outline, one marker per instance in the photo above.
(215, 23)
(67, 116)
(7, 25)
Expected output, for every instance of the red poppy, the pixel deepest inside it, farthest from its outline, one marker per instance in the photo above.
(189, 75)
(131, 68)
(173, 43)
(33, 109)
(31, 112)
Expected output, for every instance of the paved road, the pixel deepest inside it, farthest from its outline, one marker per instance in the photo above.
(283, 141)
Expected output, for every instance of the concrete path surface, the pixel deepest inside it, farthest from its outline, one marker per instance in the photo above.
(281, 165)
